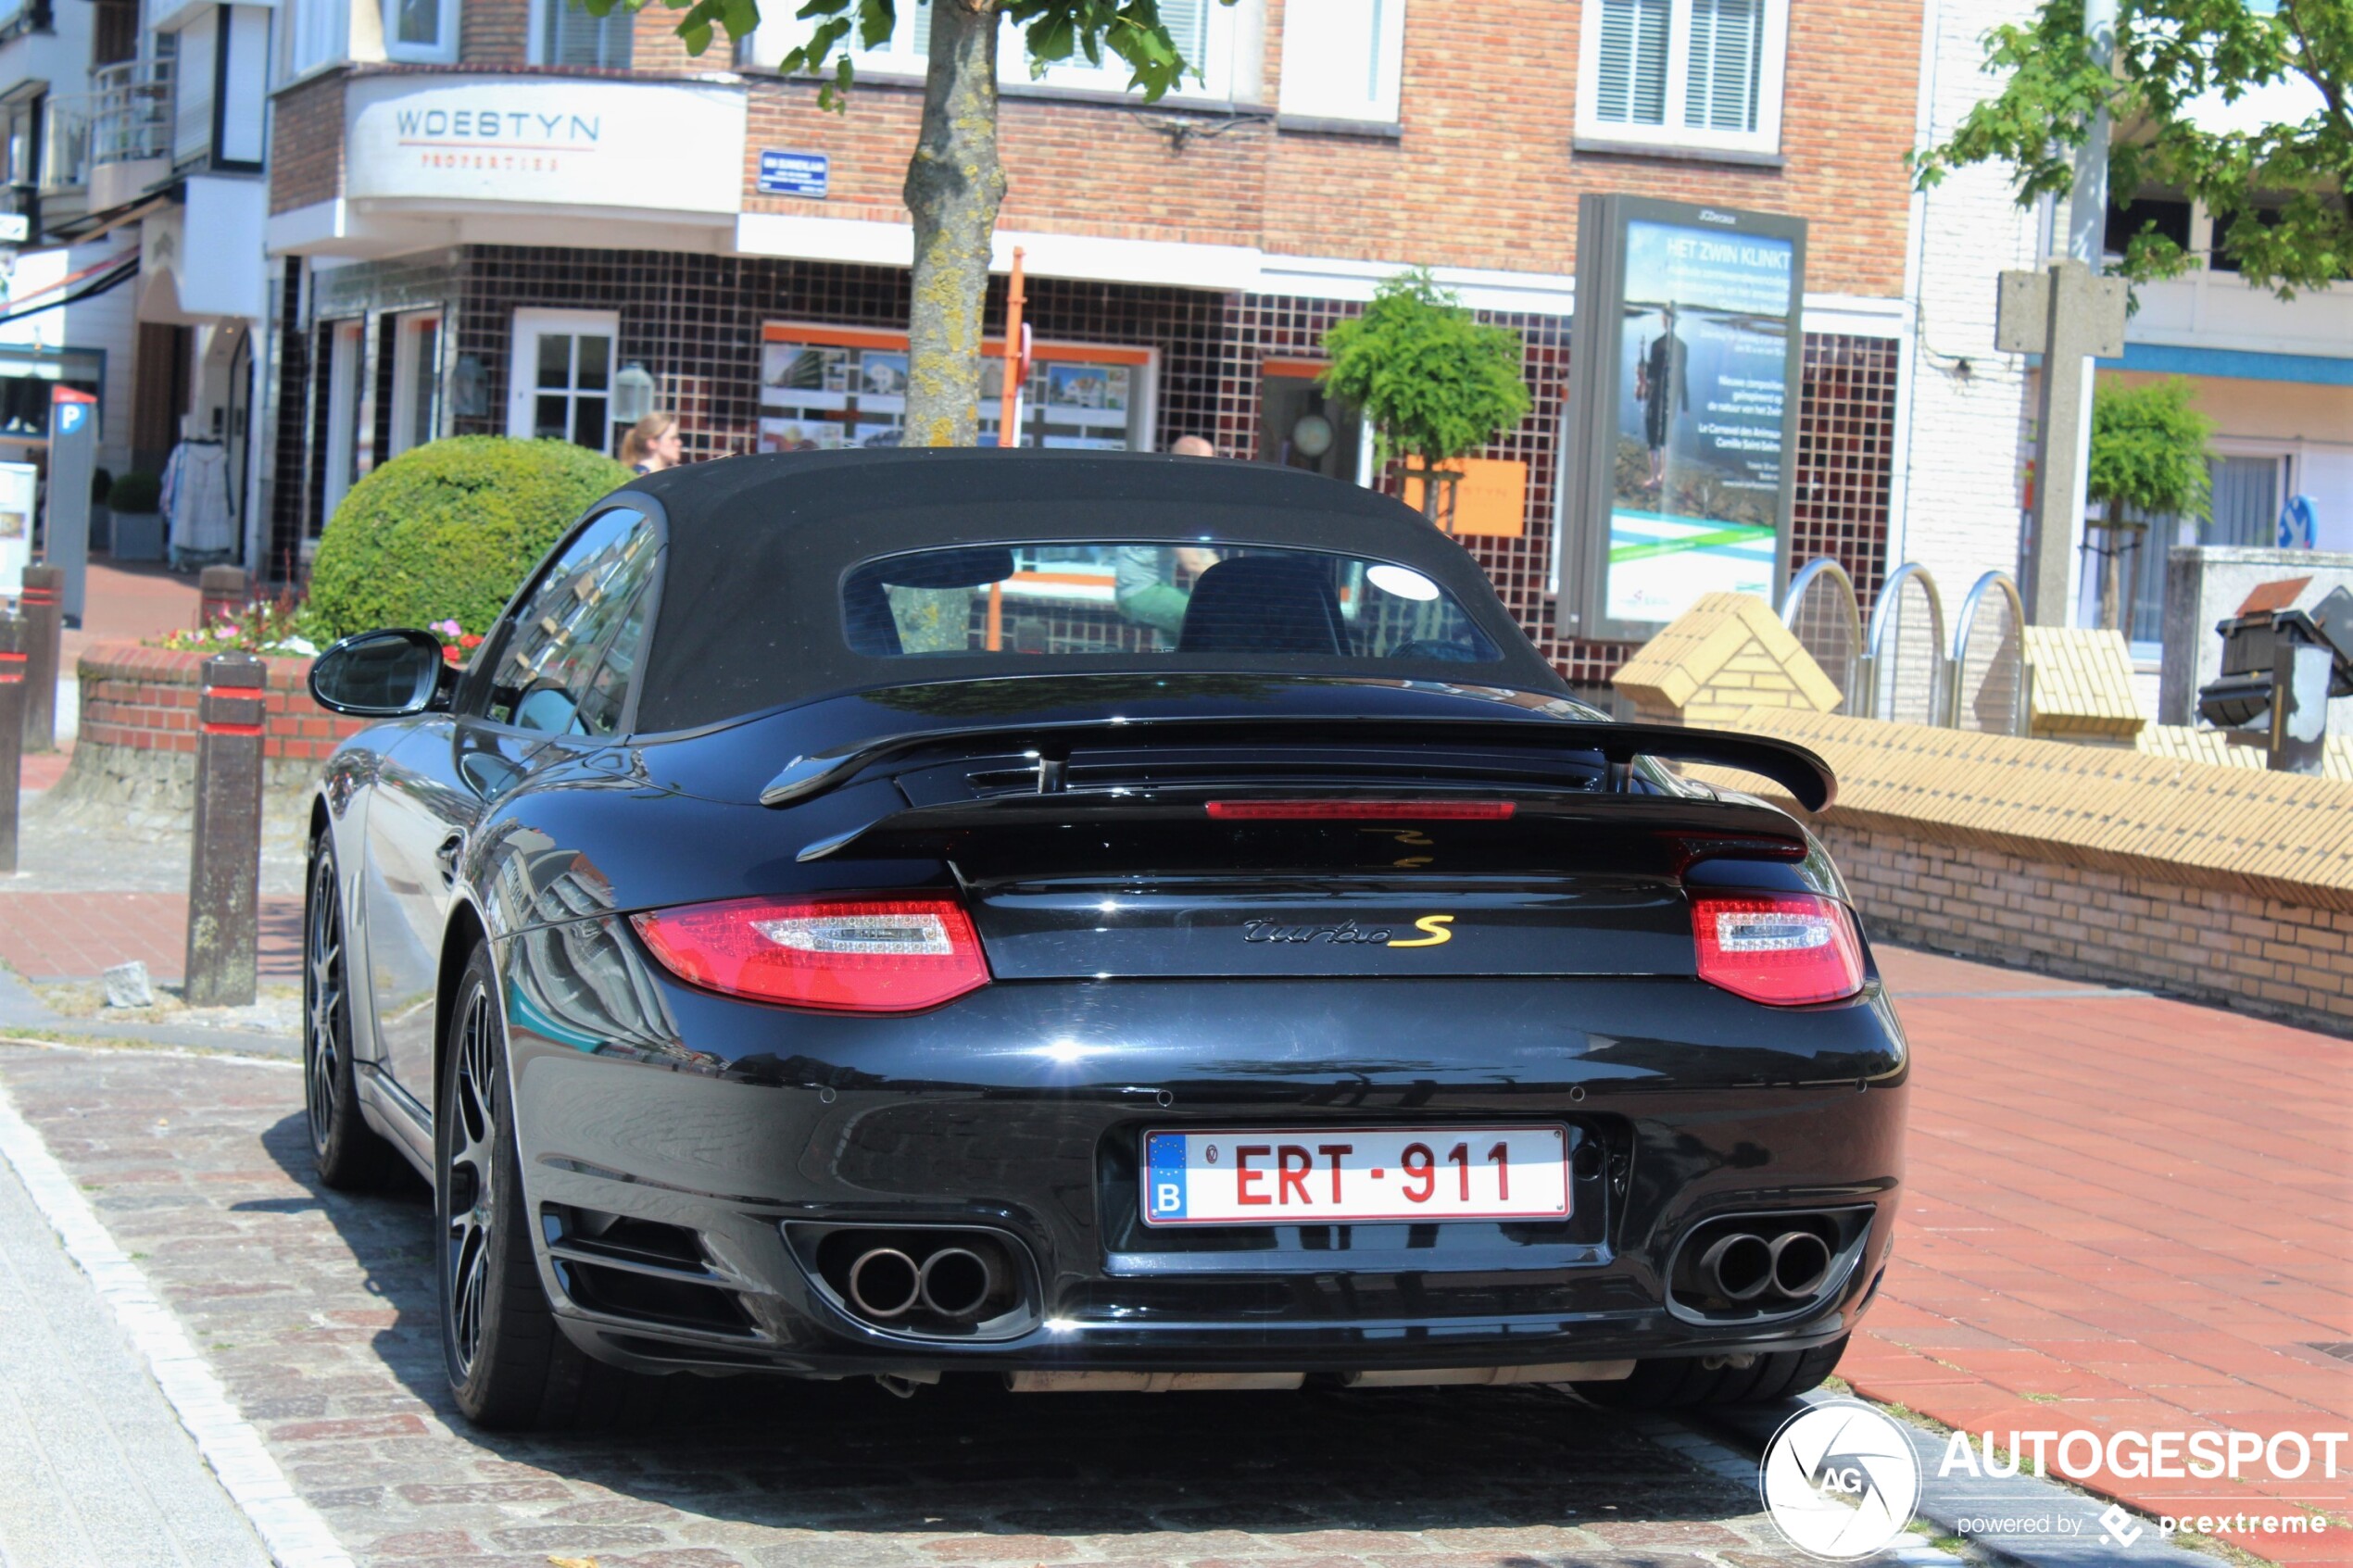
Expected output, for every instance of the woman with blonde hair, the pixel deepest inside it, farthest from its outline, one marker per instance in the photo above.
(652, 443)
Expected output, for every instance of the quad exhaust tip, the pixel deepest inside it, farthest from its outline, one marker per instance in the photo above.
(956, 1282)
(923, 1280)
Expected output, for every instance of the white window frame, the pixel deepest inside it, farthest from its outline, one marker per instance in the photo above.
(404, 371)
(1307, 95)
(780, 32)
(1673, 135)
(535, 48)
(442, 51)
(531, 324)
(347, 405)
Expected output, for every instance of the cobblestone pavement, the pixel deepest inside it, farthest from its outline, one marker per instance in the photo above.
(316, 1311)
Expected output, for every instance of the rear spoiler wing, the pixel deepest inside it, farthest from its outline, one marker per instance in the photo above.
(1805, 775)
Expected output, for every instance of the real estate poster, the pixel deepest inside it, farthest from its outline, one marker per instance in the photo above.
(1690, 380)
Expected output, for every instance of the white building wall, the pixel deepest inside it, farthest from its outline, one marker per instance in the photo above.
(1971, 410)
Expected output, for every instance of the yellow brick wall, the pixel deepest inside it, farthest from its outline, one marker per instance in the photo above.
(1727, 653)
(2082, 683)
(2221, 882)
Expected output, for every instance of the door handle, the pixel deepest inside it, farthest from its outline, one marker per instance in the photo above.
(447, 855)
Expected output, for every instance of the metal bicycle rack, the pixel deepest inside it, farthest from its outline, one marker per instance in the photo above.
(1981, 680)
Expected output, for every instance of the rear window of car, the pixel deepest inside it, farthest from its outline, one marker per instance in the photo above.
(1171, 598)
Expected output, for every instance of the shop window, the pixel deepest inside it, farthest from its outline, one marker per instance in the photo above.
(1700, 75)
(416, 379)
(1301, 427)
(346, 386)
(833, 386)
(424, 30)
(1342, 59)
(1205, 31)
(2168, 216)
(2248, 495)
(568, 35)
(561, 382)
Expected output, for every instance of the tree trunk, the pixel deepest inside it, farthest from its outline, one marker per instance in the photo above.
(955, 183)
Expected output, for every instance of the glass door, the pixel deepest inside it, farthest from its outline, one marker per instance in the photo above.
(561, 382)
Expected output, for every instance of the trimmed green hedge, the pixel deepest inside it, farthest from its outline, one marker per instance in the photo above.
(447, 530)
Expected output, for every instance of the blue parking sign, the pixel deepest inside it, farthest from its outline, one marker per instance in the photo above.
(792, 175)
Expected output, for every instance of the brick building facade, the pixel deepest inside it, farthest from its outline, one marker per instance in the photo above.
(1186, 255)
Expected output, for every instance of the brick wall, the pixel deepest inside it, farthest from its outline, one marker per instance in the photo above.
(2228, 884)
(306, 144)
(144, 700)
(1483, 174)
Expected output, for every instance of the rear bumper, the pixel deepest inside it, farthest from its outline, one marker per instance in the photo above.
(1019, 1109)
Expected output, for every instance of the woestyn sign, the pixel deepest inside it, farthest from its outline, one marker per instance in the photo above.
(677, 147)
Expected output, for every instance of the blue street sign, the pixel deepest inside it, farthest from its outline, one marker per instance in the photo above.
(792, 175)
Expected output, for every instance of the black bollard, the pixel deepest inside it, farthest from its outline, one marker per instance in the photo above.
(222, 591)
(43, 628)
(224, 862)
(12, 693)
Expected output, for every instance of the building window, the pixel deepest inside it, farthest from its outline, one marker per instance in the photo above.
(823, 387)
(1701, 75)
(416, 379)
(1205, 31)
(568, 35)
(421, 29)
(560, 384)
(1342, 59)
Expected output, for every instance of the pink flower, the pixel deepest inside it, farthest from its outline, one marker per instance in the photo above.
(224, 632)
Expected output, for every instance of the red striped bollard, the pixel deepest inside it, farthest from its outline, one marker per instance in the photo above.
(43, 628)
(12, 690)
(224, 859)
(223, 592)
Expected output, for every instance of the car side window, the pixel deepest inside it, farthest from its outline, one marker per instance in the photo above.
(559, 641)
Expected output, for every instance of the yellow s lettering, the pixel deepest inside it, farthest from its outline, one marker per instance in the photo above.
(1436, 926)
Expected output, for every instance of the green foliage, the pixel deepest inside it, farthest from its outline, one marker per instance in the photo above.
(2277, 193)
(447, 530)
(137, 491)
(1055, 30)
(2148, 451)
(1434, 382)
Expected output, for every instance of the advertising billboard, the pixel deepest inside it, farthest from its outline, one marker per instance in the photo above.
(1685, 370)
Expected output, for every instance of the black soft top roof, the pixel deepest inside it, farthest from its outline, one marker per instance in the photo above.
(751, 617)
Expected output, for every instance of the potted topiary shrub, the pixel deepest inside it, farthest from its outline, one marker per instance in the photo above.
(135, 501)
(1436, 383)
(445, 531)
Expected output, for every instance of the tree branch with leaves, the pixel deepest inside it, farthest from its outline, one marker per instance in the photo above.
(2277, 192)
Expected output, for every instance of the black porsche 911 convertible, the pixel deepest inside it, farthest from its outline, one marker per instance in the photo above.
(1106, 922)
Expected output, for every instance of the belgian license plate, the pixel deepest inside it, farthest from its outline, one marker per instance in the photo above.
(1262, 1176)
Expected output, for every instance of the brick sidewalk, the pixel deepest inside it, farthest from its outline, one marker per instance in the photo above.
(2125, 1213)
(51, 936)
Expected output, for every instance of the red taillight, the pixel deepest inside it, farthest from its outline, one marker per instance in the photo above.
(844, 955)
(1785, 948)
(1361, 810)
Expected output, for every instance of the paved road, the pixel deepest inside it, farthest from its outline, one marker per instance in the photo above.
(315, 1310)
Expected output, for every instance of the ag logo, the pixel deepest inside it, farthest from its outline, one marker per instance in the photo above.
(1841, 1480)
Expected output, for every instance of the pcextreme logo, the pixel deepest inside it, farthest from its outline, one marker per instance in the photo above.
(1434, 926)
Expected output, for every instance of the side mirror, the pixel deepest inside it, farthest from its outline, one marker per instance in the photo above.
(384, 675)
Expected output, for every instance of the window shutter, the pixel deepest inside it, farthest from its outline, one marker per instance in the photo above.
(1188, 25)
(575, 38)
(1631, 88)
(1728, 47)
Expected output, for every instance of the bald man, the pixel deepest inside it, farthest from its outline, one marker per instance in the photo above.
(1144, 583)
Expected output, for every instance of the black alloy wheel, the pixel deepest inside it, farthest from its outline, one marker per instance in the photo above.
(346, 1151)
(511, 1365)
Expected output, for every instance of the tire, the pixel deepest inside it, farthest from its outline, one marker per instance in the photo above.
(1687, 1383)
(350, 1155)
(511, 1365)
